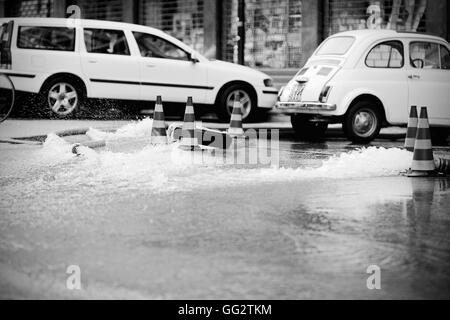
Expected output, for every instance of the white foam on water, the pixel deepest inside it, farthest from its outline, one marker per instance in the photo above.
(137, 129)
(361, 163)
(54, 150)
(367, 162)
(167, 168)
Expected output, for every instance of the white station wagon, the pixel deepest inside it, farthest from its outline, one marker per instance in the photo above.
(368, 78)
(68, 60)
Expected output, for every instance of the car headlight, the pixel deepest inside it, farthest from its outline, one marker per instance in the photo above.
(268, 82)
(323, 98)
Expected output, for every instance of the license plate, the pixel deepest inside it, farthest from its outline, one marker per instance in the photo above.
(292, 92)
(296, 93)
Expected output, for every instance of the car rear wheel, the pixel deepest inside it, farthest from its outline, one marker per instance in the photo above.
(305, 129)
(63, 97)
(227, 98)
(363, 122)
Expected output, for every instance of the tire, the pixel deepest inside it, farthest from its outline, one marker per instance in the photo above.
(305, 129)
(363, 121)
(63, 97)
(439, 136)
(225, 103)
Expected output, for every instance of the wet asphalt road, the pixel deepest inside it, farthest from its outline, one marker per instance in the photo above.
(146, 222)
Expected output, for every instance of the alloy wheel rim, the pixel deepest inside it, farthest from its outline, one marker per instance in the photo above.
(246, 102)
(62, 98)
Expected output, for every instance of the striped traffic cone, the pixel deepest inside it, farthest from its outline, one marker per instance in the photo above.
(235, 130)
(159, 134)
(443, 166)
(423, 162)
(189, 141)
(412, 129)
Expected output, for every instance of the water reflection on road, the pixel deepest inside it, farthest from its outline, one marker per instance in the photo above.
(141, 226)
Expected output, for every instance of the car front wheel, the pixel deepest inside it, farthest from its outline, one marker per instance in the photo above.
(363, 122)
(63, 97)
(305, 129)
(227, 98)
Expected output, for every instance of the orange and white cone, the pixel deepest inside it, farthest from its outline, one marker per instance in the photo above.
(235, 130)
(159, 133)
(423, 164)
(411, 132)
(189, 141)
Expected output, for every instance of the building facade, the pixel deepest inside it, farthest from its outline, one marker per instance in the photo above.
(268, 34)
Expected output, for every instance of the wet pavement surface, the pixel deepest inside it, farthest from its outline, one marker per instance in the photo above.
(151, 222)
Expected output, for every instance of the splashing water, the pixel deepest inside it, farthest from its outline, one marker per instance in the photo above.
(136, 130)
(361, 163)
(130, 161)
(131, 203)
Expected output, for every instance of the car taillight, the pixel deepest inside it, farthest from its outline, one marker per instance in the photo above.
(324, 94)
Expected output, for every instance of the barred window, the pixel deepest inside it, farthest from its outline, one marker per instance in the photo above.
(182, 19)
(386, 55)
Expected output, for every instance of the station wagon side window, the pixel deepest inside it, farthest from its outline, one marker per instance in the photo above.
(46, 38)
(106, 41)
(155, 47)
(389, 54)
(424, 55)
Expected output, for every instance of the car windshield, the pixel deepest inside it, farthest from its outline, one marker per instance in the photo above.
(336, 46)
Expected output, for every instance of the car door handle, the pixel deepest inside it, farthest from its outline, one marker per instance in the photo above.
(414, 76)
(92, 61)
(150, 65)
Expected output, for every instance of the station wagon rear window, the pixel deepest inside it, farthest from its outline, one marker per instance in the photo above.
(337, 46)
(46, 38)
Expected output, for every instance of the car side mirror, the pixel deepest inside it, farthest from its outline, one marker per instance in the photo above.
(193, 58)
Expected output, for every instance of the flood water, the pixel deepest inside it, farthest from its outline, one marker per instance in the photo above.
(147, 222)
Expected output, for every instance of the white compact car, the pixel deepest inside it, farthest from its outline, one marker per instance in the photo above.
(68, 60)
(368, 78)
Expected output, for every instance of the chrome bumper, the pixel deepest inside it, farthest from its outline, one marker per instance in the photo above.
(296, 107)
